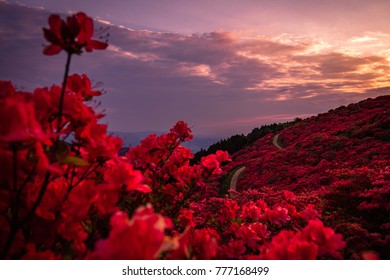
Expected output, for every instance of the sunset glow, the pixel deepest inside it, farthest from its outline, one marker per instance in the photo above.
(172, 130)
(231, 60)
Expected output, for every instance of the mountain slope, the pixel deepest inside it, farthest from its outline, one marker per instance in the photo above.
(339, 162)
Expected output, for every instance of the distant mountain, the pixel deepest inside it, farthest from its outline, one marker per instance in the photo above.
(131, 139)
(338, 161)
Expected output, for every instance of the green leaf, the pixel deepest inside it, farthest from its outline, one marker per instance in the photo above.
(73, 160)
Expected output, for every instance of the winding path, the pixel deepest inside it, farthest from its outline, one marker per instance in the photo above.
(275, 141)
(237, 173)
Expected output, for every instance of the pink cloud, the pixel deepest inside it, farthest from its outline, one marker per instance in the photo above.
(214, 80)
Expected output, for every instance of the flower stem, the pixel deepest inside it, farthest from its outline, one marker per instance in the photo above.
(61, 105)
(15, 167)
(37, 202)
(16, 225)
(14, 207)
(9, 242)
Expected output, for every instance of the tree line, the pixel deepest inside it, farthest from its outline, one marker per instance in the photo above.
(237, 142)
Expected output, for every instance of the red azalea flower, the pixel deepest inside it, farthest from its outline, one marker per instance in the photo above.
(107, 199)
(251, 211)
(97, 142)
(183, 250)
(182, 131)
(327, 240)
(6, 88)
(81, 86)
(370, 255)
(79, 201)
(141, 237)
(260, 229)
(234, 249)
(248, 236)
(211, 164)
(228, 210)
(204, 243)
(169, 190)
(180, 157)
(79, 114)
(222, 156)
(119, 173)
(86, 32)
(187, 174)
(73, 231)
(310, 213)
(52, 200)
(286, 246)
(22, 124)
(186, 218)
(72, 35)
(196, 244)
(277, 215)
(289, 196)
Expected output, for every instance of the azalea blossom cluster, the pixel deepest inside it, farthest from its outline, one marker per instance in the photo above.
(72, 35)
(250, 225)
(337, 161)
(66, 193)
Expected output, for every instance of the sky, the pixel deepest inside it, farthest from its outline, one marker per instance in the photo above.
(223, 66)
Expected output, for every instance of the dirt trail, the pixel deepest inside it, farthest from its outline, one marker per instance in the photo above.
(237, 173)
(275, 142)
(233, 182)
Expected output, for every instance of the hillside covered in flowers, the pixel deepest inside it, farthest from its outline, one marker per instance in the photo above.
(337, 162)
(321, 192)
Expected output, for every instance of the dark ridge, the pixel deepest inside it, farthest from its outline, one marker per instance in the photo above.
(237, 142)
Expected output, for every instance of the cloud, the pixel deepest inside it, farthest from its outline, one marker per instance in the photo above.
(220, 82)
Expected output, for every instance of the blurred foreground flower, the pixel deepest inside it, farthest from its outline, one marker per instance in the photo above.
(72, 35)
